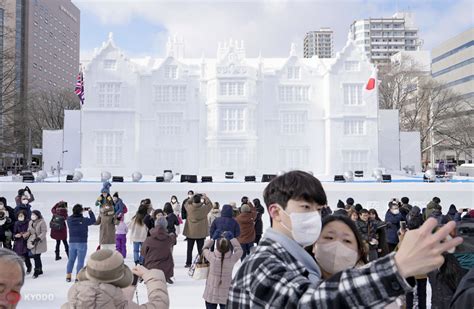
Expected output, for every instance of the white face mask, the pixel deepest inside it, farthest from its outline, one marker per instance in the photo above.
(173, 201)
(395, 211)
(24, 202)
(334, 257)
(34, 217)
(2, 207)
(21, 218)
(306, 227)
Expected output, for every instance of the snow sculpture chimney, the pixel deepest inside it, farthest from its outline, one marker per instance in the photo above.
(175, 47)
(233, 46)
(293, 50)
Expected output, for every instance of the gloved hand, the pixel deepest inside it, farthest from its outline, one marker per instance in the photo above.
(36, 241)
(228, 235)
(216, 235)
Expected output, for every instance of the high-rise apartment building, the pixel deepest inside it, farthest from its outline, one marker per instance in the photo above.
(381, 38)
(39, 52)
(319, 43)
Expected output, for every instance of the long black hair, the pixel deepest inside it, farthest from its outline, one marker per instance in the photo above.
(141, 213)
(451, 272)
(361, 248)
(223, 246)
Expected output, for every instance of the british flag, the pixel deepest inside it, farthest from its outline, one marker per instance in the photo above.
(79, 91)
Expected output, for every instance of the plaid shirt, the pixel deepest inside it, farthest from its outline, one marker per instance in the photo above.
(272, 278)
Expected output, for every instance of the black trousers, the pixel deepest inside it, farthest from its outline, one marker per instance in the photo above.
(214, 306)
(420, 293)
(199, 242)
(66, 246)
(27, 262)
(38, 263)
(257, 239)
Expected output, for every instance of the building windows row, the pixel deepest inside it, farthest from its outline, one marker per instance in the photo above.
(293, 93)
(352, 66)
(169, 123)
(353, 94)
(108, 148)
(294, 73)
(294, 158)
(110, 64)
(355, 160)
(232, 120)
(169, 93)
(109, 94)
(293, 123)
(171, 72)
(354, 127)
(232, 89)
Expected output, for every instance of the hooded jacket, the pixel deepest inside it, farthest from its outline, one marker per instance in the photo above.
(429, 209)
(196, 226)
(79, 227)
(94, 295)
(157, 251)
(414, 218)
(60, 234)
(393, 225)
(226, 222)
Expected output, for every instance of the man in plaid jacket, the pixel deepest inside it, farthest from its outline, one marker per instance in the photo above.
(281, 274)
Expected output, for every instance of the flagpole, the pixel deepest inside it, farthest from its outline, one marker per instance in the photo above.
(80, 120)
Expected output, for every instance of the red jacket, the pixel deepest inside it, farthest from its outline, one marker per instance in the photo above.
(60, 234)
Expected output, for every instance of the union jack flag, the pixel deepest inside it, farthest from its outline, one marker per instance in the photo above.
(79, 91)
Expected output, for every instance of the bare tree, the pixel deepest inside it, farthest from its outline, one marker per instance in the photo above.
(46, 111)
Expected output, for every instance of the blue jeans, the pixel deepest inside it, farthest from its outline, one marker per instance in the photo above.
(76, 250)
(246, 248)
(136, 252)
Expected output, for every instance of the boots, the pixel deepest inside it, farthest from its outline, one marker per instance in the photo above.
(28, 269)
(68, 277)
(57, 256)
(37, 272)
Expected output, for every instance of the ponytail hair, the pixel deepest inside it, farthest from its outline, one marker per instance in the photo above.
(223, 246)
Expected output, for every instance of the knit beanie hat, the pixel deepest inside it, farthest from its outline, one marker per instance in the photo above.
(106, 187)
(245, 208)
(107, 266)
(340, 204)
(161, 222)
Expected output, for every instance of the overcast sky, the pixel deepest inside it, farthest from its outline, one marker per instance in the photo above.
(141, 27)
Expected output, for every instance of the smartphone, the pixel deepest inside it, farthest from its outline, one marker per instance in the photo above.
(135, 280)
(403, 225)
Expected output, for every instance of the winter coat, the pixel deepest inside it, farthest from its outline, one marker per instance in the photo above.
(172, 223)
(214, 292)
(138, 233)
(10, 212)
(121, 228)
(464, 295)
(184, 213)
(451, 214)
(37, 229)
(79, 227)
(404, 210)
(157, 253)
(5, 228)
(429, 209)
(414, 218)
(176, 208)
(19, 246)
(441, 293)
(196, 226)
(393, 225)
(246, 222)
(26, 208)
(367, 230)
(60, 234)
(226, 222)
(94, 295)
(119, 206)
(107, 223)
(340, 212)
(213, 215)
(258, 222)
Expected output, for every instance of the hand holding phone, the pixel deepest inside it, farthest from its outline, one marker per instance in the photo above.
(403, 225)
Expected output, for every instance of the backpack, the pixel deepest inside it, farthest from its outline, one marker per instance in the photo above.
(125, 209)
(57, 222)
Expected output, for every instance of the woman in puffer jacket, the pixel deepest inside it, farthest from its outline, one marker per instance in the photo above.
(106, 283)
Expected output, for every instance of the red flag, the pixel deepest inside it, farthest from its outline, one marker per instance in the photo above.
(371, 83)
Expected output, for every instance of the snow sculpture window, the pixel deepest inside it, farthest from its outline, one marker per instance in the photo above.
(232, 120)
(169, 123)
(231, 89)
(109, 94)
(294, 158)
(354, 160)
(293, 93)
(169, 93)
(352, 94)
(171, 71)
(110, 64)
(231, 157)
(108, 148)
(352, 66)
(170, 158)
(294, 73)
(354, 127)
(293, 122)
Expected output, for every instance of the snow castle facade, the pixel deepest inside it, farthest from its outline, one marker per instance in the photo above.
(207, 116)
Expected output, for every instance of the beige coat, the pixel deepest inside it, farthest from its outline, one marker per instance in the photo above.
(196, 226)
(107, 223)
(92, 295)
(215, 293)
(37, 229)
(138, 233)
